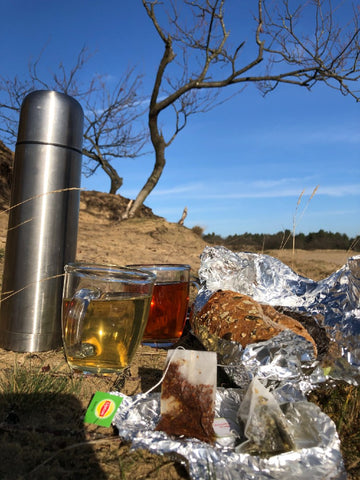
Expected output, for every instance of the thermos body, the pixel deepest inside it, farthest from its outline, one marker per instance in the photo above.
(43, 221)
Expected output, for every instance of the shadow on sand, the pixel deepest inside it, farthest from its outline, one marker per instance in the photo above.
(42, 437)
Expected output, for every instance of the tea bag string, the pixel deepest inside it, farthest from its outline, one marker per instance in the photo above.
(144, 395)
(165, 371)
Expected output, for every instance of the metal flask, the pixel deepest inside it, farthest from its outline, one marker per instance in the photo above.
(43, 221)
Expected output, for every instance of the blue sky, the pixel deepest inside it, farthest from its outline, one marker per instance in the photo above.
(238, 168)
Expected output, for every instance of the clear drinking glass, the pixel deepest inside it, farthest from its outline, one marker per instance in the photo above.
(169, 303)
(104, 315)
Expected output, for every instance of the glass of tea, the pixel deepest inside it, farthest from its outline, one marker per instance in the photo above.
(104, 315)
(169, 303)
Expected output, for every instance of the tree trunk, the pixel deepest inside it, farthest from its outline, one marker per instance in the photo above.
(116, 183)
(151, 181)
(115, 180)
(156, 135)
(159, 145)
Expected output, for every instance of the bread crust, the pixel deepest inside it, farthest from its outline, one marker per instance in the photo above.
(238, 317)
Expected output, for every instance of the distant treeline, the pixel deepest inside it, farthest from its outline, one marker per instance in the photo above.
(284, 239)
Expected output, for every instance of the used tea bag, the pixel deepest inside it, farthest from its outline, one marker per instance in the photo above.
(188, 392)
(266, 427)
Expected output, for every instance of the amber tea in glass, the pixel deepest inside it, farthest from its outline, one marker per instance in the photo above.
(105, 311)
(169, 303)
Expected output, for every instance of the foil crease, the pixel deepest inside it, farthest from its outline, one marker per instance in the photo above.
(334, 302)
(138, 416)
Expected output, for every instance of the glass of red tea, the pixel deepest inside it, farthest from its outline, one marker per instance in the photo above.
(169, 303)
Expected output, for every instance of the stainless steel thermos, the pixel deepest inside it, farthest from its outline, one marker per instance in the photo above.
(43, 221)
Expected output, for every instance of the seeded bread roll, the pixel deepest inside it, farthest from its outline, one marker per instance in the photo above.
(234, 316)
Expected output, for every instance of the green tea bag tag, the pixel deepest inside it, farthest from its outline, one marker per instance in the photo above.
(102, 409)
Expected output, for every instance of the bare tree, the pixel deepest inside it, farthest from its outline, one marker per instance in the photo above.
(110, 133)
(294, 42)
(110, 113)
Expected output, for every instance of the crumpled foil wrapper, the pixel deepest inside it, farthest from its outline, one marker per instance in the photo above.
(138, 416)
(284, 364)
(334, 302)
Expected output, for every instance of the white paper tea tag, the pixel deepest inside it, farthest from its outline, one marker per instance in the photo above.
(188, 392)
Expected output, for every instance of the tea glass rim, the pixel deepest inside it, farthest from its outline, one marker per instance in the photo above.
(160, 266)
(107, 272)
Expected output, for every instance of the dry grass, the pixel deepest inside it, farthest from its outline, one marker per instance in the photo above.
(298, 215)
(341, 402)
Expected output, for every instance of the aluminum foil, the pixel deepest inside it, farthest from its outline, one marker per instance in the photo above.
(318, 450)
(333, 301)
(285, 365)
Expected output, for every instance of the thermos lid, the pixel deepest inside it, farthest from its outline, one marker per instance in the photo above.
(52, 118)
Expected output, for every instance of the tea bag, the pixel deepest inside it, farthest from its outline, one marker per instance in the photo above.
(188, 392)
(266, 427)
